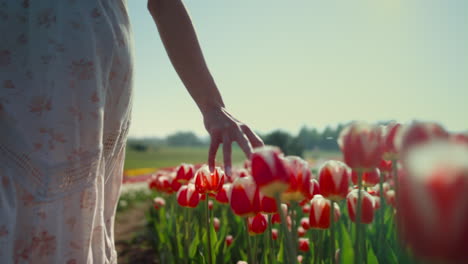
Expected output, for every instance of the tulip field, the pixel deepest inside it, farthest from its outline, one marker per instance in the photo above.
(399, 194)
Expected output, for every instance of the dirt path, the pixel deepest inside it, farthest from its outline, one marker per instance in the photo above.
(132, 242)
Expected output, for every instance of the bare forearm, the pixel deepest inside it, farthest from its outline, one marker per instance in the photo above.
(181, 43)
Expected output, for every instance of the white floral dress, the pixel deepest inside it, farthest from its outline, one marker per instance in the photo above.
(65, 99)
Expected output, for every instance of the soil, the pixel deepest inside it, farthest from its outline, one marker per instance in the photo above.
(131, 239)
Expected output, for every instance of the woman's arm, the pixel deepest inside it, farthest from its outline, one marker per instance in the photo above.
(181, 43)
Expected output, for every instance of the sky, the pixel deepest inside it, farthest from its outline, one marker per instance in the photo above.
(285, 64)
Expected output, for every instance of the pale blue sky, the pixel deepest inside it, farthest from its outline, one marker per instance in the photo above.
(283, 64)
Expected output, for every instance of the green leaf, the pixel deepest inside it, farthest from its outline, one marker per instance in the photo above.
(194, 246)
(347, 251)
(371, 258)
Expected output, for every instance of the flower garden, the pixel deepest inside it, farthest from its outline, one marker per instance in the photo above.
(398, 195)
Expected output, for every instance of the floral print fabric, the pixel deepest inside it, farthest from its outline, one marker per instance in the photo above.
(65, 100)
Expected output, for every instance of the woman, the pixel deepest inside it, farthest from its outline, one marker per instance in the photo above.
(65, 100)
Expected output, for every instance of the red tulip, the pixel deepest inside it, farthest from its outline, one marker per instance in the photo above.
(274, 234)
(314, 188)
(306, 208)
(276, 218)
(361, 145)
(299, 181)
(270, 171)
(385, 166)
(222, 195)
(268, 205)
(187, 196)
(210, 205)
(185, 173)
(300, 258)
(304, 244)
(369, 178)
(159, 202)
(432, 201)
(334, 180)
(320, 212)
(216, 223)
(419, 133)
(229, 240)
(207, 182)
(460, 138)
(257, 224)
(390, 198)
(389, 133)
(305, 223)
(301, 231)
(367, 206)
(244, 197)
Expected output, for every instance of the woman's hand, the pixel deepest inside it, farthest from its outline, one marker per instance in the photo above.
(225, 129)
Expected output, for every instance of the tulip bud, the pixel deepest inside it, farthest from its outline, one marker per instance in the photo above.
(361, 145)
(419, 133)
(367, 206)
(301, 231)
(185, 173)
(216, 223)
(159, 202)
(334, 180)
(244, 197)
(304, 244)
(274, 234)
(299, 181)
(320, 213)
(305, 223)
(257, 224)
(369, 178)
(389, 133)
(207, 182)
(187, 196)
(270, 171)
(210, 205)
(222, 195)
(432, 201)
(229, 240)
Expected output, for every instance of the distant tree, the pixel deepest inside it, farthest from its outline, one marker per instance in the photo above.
(287, 143)
(183, 139)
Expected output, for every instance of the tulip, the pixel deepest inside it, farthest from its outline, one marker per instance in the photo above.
(244, 197)
(319, 217)
(369, 178)
(187, 196)
(419, 133)
(305, 223)
(268, 205)
(390, 197)
(367, 206)
(257, 224)
(185, 173)
(274, 234)
(276, 218)
(159, 202)
(385, 166)
(229, 240)
(314, 188)
(216, 223)
(304, 244)
(460, 138)
(300, 258)
(207, 182)
(301, 231)
(299, 181)
(389, 133)
(306, 208)
(334, 180)
(270, 171)
(210, 205)
(432, 203)
(361, 145)
(222, 195)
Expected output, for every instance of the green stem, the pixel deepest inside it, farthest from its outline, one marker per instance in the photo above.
(208, 230)
(381, 214)
(247, 236)
(358, 246)
(291, 253)
(254, 259)
(332, 230)
(270, 242)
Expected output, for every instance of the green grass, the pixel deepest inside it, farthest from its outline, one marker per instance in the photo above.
(173, 156)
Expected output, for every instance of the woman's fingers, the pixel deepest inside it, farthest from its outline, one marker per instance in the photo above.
(255, 140)
(244, 143)
(214, 145)
(227, 151)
